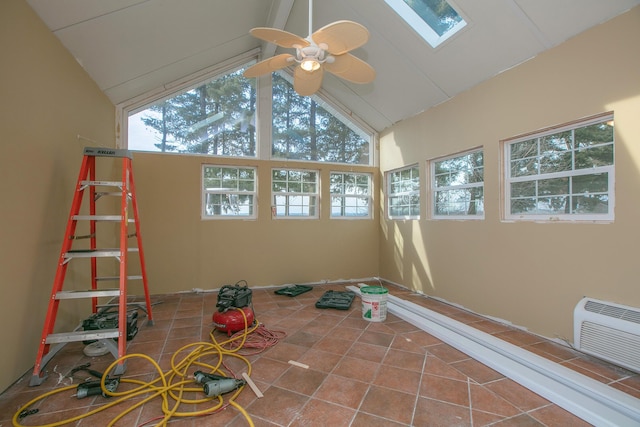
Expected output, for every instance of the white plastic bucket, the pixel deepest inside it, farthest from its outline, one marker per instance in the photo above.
(374, 303)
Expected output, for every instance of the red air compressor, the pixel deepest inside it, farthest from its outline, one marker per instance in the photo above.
(232, 299)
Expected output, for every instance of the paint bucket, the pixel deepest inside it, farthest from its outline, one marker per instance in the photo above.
(374, 303)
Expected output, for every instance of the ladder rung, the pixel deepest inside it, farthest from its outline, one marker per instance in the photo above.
(138, 304)
(111, 193)
(96, 253)
(116, 278)
(82, 336)
(83, 236)
(107, 152)
(88, 294)
(102, 183)
(101, 218)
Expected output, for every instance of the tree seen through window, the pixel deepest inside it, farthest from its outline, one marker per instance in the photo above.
(215, 118)
(303, 129)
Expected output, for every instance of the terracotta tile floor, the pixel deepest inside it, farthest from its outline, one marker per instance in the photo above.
(360, 373)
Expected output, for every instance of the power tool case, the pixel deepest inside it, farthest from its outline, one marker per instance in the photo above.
(109, 320)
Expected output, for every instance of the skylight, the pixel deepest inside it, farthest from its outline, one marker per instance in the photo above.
(434, 20)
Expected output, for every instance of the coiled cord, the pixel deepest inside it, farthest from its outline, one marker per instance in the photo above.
(171, 386)
(260, 340)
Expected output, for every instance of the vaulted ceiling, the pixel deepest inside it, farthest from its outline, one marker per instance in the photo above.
(130, 47)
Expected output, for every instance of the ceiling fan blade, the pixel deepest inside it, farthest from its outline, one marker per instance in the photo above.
(279, 37)
(351, 68)
(307, 83)
(269, 65)
(341, 36)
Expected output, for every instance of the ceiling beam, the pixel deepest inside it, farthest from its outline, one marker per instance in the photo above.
(278, 19)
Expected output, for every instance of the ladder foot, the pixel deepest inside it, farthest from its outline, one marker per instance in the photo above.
(37, 379)
(113, 348)
(120, 369)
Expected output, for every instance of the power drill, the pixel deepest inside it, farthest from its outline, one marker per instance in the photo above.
(215, 385)
(92, 388)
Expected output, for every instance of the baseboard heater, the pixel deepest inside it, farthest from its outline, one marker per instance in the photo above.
(609, 331)
(588, 399)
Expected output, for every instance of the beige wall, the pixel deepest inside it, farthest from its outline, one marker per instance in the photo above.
(184, 252)
(46, 101)
(531, 274)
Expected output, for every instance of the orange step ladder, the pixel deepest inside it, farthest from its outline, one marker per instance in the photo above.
(115, 340)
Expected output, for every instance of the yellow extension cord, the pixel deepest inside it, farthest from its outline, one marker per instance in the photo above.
(173, 383)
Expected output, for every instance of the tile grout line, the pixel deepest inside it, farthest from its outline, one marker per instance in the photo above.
(422, 374)
(470, 401)
(517, 361)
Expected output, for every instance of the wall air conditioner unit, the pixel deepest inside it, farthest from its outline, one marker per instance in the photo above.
(608, 331)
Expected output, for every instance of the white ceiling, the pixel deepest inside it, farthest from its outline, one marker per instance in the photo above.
(130, 47)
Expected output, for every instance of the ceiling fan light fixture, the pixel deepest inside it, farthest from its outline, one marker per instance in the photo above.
(310, 64)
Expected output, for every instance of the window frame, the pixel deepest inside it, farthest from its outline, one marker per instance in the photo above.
(507, 180)
(368, 196)
(263, 110)
(415, 192)
(288, 194)
(434, 189)
(205, 193)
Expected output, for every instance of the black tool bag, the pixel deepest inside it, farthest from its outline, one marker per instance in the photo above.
(109, 320)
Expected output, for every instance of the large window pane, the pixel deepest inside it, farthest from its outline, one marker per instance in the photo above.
(304, 128)
(216, 118)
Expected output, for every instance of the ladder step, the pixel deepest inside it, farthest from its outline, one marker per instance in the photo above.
(82, 336)
(95, 253)
(101, 218)
(102, 183)
(138, 304)
(107, 152)
(88, 294)
(117, 278)
(110, 193)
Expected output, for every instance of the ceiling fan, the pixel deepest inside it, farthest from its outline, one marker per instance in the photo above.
(327, 49)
